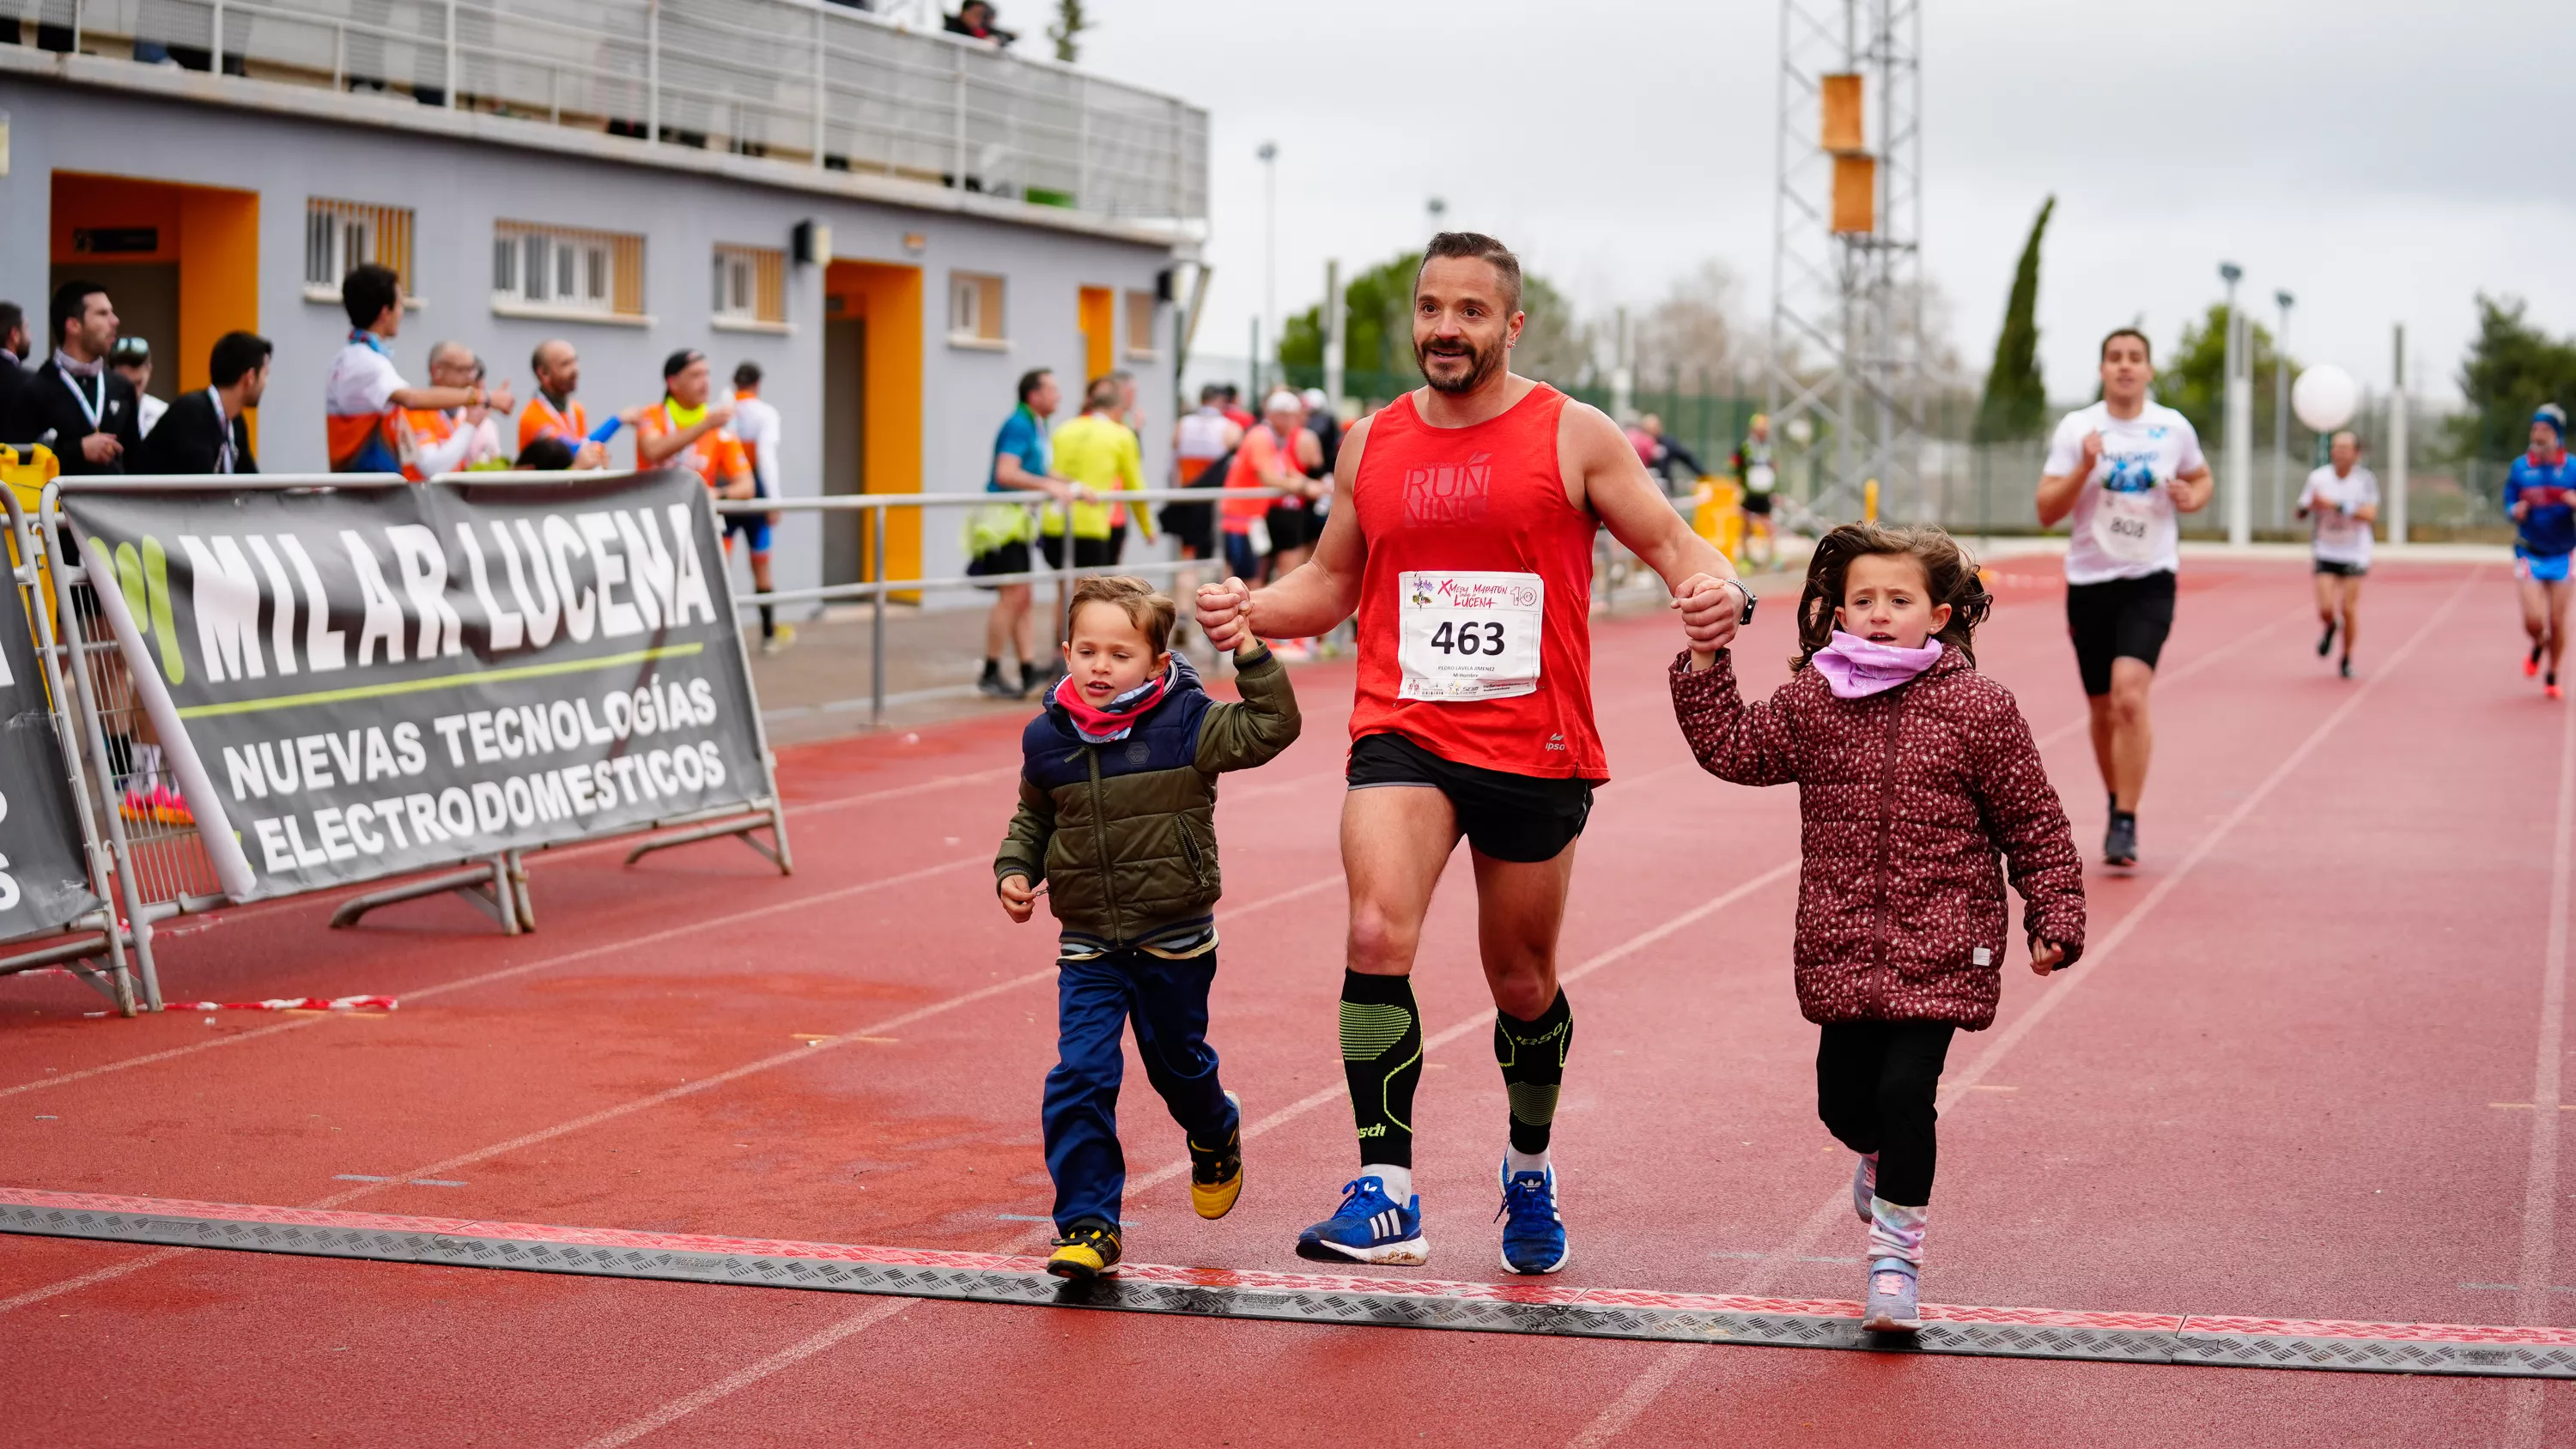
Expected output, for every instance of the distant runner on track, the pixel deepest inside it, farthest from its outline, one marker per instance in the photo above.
(2340, 503)
(2536, 493)
(1461, 534)
(2122, 469)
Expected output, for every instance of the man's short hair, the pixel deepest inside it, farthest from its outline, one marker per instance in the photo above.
(1032, 380)
(537, 355)
(449, 349)
(746, 374)
(2117, 333)
(678, 362)
(71, 300)
(1480, 247)
(12, 317)
(1102, 391)
(236, 355)
(1213, 392)
(546, 454)
(367, 291)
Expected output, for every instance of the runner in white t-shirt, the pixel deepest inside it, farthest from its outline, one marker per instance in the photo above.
(2123, 468)
(2340, 503)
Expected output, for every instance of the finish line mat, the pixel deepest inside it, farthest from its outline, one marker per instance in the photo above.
(1534, 1308)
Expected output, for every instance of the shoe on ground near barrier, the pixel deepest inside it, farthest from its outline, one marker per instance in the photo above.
(1088, 1250)
(1533, 1234)
(1891, 1307)
(780, 642)
(1216, 1173)
(1370, 1227)
(999, 688)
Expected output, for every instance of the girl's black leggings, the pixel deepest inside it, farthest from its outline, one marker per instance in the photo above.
(1875, 1082)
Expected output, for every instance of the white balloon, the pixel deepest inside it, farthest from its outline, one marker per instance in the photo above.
(2324, 397)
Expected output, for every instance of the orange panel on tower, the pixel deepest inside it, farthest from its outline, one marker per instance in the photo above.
(1855, 194)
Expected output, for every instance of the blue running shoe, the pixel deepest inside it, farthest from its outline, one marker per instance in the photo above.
(1533, 1235)
(1370, 1228)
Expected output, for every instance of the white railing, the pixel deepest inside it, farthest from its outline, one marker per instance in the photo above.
(816, 84)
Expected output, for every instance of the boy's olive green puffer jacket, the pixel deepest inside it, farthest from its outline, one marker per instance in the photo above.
(1124, 833)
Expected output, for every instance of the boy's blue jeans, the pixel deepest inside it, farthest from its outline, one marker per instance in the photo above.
(1095, 1000)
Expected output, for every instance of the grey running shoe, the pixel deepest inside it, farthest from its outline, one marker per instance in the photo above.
(1891, 1307)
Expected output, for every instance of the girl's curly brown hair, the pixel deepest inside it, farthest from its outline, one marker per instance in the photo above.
(1953, 576)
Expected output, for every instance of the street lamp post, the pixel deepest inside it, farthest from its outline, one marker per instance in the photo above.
(2240, 417)
(2281, 469)
(1269, 154)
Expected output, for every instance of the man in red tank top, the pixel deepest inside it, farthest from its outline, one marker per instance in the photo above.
(1461, 535)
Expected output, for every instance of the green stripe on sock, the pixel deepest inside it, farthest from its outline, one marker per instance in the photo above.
(1369, 1029)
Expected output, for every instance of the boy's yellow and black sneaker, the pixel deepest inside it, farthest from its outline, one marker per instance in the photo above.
(1216, 1173)
(1086, 1251)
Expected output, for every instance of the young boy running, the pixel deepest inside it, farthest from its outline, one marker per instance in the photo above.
(1117, 823)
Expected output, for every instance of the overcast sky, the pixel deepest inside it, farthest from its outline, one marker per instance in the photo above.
(2382, 159)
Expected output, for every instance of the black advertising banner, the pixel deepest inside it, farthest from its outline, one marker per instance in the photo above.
(44, 880)
(373, 680)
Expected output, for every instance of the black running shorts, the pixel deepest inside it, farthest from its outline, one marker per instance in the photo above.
(1520, 818)
(2120, 619)
(2340, 569)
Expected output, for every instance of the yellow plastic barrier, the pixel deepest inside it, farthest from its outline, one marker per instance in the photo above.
(1718, 514)
(27, 479)
(1869, 501)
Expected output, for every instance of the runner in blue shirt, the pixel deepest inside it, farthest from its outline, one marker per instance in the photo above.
(997, 535)
(2537, 495)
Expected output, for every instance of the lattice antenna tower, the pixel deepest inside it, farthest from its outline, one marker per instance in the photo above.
(1847, 259)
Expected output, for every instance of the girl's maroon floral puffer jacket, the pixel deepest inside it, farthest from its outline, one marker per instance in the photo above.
(1905, 797)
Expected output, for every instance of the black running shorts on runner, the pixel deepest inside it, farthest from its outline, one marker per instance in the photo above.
(2334, 566)
(2120, 619)
(1521, 818)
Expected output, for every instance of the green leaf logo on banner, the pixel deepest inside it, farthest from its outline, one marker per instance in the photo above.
(144, 577)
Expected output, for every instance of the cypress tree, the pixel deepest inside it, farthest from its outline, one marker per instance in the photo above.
(2016, 401)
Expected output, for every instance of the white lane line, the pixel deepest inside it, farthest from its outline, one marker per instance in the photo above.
(1624, 1410)
(743, 1378)
(2525, 1407)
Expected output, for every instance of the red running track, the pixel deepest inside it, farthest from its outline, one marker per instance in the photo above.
(2308, 1070)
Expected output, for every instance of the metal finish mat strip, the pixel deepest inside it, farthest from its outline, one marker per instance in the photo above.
(1532, 1308)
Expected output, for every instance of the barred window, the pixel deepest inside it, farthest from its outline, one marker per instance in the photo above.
(342, 236)
(560, 269)
(975, 308)
(751, 285)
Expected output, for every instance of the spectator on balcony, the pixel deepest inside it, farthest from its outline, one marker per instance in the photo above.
(132, 359)
(974, 19)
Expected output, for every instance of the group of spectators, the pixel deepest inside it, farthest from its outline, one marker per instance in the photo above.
(1082, 466)
(88, 402)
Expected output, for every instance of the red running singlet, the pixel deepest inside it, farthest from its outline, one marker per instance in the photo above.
(1487, 501)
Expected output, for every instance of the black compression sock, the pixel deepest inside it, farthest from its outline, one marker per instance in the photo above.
(1532, 1056)
(1382, 1060)
(768, 621)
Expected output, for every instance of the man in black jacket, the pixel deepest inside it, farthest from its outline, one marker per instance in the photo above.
(76, 404)
(204, 431)
(13, 365)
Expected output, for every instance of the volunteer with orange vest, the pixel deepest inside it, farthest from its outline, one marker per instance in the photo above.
(365, 398)
(1461, 534)
(688, 431)
(451, 440)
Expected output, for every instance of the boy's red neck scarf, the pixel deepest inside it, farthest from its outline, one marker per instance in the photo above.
(1100, 725)
(2555, 457)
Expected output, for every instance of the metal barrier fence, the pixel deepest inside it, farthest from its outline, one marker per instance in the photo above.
(810, 83)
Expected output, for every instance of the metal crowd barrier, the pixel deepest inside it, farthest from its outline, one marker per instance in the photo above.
(122, 940)
(1036, 504)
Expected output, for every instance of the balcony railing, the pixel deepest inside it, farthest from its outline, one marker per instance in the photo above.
(814, 84)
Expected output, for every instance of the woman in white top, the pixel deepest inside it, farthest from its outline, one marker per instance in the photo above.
(2340, 503)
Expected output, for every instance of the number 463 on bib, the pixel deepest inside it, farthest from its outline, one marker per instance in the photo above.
(1469, 635)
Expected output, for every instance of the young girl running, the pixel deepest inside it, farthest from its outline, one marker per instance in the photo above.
(1914, 772)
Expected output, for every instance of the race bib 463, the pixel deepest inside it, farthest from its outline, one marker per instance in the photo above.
(1469, 635)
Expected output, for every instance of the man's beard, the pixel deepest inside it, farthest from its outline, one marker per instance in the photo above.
(1481, 367)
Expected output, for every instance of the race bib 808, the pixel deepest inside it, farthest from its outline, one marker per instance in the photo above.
(1469, 635)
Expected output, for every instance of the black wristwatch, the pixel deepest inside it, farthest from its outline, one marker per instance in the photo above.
(1745, 620)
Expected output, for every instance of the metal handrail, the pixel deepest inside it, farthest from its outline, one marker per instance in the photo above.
(792, 78)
